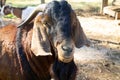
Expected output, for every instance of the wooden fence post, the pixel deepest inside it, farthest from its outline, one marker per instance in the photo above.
(104, 3)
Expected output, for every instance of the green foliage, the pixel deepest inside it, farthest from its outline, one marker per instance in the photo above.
(10, 16)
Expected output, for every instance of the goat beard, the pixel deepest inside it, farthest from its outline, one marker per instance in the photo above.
(63, 71)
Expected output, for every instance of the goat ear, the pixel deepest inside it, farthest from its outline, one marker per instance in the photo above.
(79, 36)
(40, 44)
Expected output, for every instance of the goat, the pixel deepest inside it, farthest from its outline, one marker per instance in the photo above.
(42, 50)
(21, 13)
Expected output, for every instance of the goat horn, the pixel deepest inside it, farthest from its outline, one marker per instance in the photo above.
(38, 9)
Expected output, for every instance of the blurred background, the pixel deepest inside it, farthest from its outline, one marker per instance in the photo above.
(91, 6)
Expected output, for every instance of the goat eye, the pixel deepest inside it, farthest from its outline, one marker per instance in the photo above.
(47, 24)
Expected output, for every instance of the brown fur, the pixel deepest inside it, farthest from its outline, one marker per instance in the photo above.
(10, 68)
(57, 31)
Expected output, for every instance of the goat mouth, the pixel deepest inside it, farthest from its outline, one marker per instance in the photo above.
(65, 51)
(65, 59)
(65, 56)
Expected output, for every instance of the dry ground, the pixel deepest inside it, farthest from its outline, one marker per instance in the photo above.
(101, 60)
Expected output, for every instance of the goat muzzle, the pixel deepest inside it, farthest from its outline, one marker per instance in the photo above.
(65, 51)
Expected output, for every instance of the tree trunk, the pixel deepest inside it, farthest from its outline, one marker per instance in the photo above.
(104, 3)
(42, 1)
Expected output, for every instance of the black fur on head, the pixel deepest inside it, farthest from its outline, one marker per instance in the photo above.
(60, 13)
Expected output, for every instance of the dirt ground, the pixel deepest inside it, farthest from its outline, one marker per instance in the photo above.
(101, 60)
(98, 62)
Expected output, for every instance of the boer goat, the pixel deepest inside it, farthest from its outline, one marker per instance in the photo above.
(42, 50)
(21, 13)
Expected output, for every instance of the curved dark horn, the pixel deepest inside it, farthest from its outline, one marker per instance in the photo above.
(38, 9)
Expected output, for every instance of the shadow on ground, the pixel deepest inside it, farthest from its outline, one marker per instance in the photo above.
(98, 62)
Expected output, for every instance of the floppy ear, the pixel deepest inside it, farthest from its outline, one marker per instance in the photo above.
(40, 44)
(79, 36)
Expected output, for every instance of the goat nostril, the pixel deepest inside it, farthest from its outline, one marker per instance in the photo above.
(66, 48)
